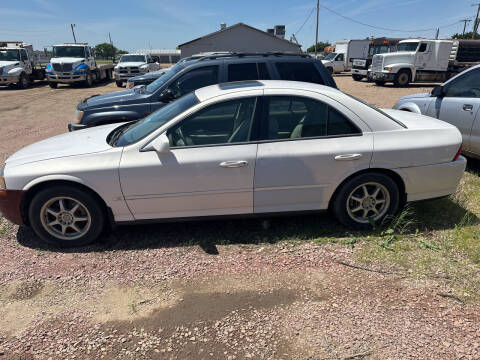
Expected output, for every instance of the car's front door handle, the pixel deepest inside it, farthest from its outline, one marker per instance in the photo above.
(467, 107)
(233, 164)
(345, 157)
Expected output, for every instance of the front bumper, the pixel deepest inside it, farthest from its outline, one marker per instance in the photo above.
(126, 76)
(66, 79)
(75, 126)
(382, 76)
(7, 80)
(11, 205)
(359, 72)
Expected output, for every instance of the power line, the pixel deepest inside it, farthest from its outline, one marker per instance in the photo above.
(306, 20)
(384, 28)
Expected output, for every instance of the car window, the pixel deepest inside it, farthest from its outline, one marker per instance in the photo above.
(247, 71)
(466, 85)
(423, 47)
(299, 71)
(223, 123)
(24, 55)
(194, 79)
(340, 57)
(290, 117)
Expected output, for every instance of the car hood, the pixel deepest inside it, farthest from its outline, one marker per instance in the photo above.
(116, 98)
(414, 96)
(81, 142)
(150, 75)
(6, 63)
(65, 60)
(130, 64)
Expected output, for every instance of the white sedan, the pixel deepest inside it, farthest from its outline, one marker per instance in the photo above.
(243, 148)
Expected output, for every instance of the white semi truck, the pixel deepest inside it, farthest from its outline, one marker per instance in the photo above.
(18, 64)
(346, 51)
(75, 63)
(424, 60)
(131, 65)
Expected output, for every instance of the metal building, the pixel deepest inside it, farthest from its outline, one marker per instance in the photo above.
(240, 38)
(165, 56)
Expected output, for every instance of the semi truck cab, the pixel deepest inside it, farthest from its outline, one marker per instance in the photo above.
(17, 64)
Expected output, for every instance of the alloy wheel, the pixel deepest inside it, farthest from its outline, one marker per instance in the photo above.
(369, 201)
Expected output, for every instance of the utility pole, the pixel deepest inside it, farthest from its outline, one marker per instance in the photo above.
(73, 32)
(465, 21)
(111, 43)
(436, 35)
(316, 32)
(475, 24)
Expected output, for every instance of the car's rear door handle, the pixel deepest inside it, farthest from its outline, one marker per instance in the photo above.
(467, 107)
(233, 164)
(345, 157)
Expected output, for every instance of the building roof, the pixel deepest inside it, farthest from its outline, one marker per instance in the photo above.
(237, 25)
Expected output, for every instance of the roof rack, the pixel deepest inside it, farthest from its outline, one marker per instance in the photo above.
(264, 54)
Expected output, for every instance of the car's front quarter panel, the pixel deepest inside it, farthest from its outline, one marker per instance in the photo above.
(97, 171)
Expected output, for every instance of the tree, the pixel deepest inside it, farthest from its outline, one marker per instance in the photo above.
(105, 51)
(320, 46)
(467, 35)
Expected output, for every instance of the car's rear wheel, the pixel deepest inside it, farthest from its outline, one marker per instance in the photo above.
(66, 216)
(366, 198)
(119, 83)
(357, 77)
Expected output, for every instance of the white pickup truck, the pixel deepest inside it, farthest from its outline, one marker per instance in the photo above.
(424, 60)
(18, 64)
(346, 51)
(131, 65)
(75, 63)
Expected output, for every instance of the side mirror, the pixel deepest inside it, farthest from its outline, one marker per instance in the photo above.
(167, 96)
(438, 91)
(161, 145)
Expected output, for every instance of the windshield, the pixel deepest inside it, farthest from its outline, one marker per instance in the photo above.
(330, 56)
(377, 49)
(408, 46)
(9, 55)
(164, 78)
(69, 51)
(139, 130)
(133, 58)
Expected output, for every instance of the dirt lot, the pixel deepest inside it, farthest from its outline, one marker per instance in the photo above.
(291, 288)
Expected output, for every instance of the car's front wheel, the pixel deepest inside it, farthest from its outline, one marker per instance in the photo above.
(366, 198)
(66, 216)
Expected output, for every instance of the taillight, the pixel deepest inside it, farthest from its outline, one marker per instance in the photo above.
(457, 155)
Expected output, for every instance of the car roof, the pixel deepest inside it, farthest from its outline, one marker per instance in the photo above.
(212, 91)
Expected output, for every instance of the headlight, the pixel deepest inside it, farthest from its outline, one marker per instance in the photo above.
(81, 69)
(129, 85)
(2, 179)
(387, 68)
(78, 116)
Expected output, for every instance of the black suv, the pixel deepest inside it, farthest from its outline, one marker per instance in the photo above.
(185, 77)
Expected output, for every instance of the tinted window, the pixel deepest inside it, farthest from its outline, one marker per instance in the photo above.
(340, 57)
(299, 71)
(194, 79)
(423, 47)
(224, 123)
(467, 85)
(247, 71)
(300, 117)
(24, 55)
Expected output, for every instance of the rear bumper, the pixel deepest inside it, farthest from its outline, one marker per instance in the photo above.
(7, 80)
(66, 79)
(11, 205)
(433, 181)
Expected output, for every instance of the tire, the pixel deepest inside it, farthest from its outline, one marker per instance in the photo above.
(108, 75)
(380, 83)
(89, 80)
(89, 212)
(53, 85)
(352, 213)
(119, 83)
(402, 78)
(357, 77)
(23, 81)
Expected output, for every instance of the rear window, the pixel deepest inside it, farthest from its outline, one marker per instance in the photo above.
(299, 71)
(247, 71)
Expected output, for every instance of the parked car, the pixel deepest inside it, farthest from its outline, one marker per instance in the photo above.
(145, 79)
(187, 76)
(132, 65)
(243, 148)
(457, 102)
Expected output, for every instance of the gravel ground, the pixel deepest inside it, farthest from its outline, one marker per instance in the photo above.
(162, 292)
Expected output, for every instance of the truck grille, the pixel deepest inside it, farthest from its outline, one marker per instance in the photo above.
(62, 67)
(377, 63)
(129, 70)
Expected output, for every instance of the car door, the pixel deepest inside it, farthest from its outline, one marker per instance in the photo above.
(188, 81)
(209, 169)
(459, 106)
(311, 144)
(422, 56)
(339, 63)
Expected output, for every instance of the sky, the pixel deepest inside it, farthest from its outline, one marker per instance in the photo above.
(164, 24)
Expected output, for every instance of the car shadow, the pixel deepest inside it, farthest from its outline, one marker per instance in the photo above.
(431, 215)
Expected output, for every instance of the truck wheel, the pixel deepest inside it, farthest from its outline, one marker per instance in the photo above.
(108, 75)
(380, 83)
(357, 77)
(89, 80)
(53, 85)
(119, 83)
(23, 82)
(402, 78)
